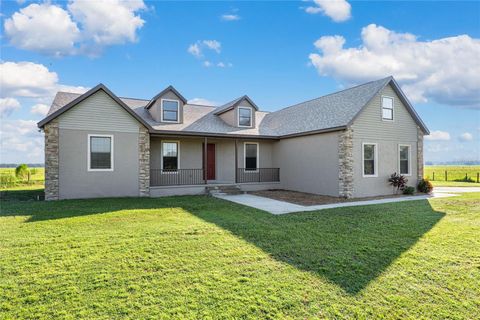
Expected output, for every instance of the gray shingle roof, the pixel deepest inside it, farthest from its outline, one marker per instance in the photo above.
(330, 112)
(334, 110)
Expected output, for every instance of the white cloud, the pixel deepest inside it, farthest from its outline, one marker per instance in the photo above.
(28, 79)
(427, 70)
(230, 17)
(84, 27)
(203, 102)
(200, 50)
(8, 105)
(466, 136)
(44, 28)
(40, 109)
(21, 141)
(438, 136)
(337, 10)
(213, 45)
(194, 49)
(108, 22)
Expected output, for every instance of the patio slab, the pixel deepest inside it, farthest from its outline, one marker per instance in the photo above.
(281, 207)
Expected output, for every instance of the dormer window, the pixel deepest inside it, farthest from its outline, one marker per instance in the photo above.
(244, 117)
(170, 110)
(387, 108)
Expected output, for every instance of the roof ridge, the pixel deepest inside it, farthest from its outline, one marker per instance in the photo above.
(200, 105)
(134, 98)
(332, 93)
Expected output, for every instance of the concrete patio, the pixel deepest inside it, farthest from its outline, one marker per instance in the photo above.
(282, 207)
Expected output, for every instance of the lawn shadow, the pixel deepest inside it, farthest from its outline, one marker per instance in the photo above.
(348, 246)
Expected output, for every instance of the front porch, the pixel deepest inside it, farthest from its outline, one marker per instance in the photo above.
(180, 161)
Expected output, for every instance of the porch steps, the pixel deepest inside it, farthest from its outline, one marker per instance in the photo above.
(223, 190)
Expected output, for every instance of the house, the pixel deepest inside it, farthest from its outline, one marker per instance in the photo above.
(345, 144)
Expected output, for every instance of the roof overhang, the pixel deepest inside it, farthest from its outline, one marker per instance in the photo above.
(73, 103)
(237, 102)
(405, 101)
(167, 89)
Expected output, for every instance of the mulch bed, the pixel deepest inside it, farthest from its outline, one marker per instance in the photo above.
(309, 199)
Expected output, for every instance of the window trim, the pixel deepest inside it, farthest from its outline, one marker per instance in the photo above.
(393, 108)
(409, 159)
(89, 168)
(178, 155)
(375, 160)
(178, 110)
(245, 157)
(251, 116)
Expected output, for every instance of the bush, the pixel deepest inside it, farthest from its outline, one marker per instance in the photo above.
(21, 172)
(425, 186)
(398, 181)
(409, 190)
(465, 179)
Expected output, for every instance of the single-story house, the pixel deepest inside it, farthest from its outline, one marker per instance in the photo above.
(344, 144)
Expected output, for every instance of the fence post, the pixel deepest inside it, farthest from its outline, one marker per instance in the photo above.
(446, 176)
(433, 175)
(478, 176)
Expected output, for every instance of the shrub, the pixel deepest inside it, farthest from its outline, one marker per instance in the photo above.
(397, 181)
(425, 186)
(409, 190)
(21, 172)
(465, 179)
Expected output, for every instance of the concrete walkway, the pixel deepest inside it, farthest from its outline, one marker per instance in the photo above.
(282, 207)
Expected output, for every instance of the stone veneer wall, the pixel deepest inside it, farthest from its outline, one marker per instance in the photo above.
(51, 160)
(345, 164)
(419, 154)
(144, 162)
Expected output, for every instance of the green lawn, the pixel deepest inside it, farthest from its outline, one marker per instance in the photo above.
(199, 257)
(453, 173)
(8, 179)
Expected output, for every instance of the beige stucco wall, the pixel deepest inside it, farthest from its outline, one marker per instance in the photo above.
(191, 155)
(308, 163)
(369, 127)
(75, 181)
(155, 110)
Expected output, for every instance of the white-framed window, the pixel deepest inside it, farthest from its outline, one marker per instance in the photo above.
(369, 159)
(244, 117)
(100, 152)
(170, 110)
(251, 156)
(404, 162)
(170, 156)
(387, 108)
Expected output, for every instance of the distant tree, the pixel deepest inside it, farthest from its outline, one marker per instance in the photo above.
(22, 172)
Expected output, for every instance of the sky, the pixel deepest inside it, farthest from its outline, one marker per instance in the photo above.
(278, 53)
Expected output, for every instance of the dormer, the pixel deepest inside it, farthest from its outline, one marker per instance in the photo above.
(167, 106)
(239, 112)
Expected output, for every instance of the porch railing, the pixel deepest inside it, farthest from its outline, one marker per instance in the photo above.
(160, 177)
(258, 175)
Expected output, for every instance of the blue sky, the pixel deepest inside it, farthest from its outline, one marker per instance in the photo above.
(279, 53)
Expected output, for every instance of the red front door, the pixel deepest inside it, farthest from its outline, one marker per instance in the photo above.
(210, 161)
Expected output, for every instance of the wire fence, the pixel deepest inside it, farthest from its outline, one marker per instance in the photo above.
(452, 175)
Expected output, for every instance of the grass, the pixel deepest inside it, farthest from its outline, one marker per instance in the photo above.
(9, 181)
(453, 173)
(199, 257)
